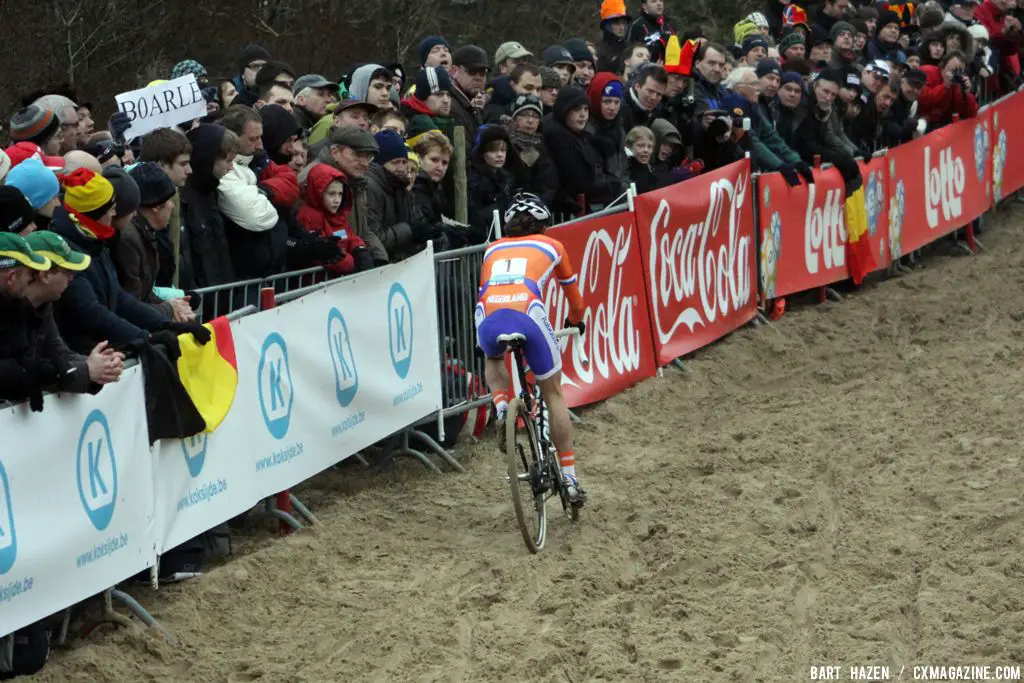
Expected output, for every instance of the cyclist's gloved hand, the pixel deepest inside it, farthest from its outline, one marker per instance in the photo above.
(581, 326)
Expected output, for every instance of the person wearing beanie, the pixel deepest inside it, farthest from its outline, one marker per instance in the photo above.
(785, 107)
(821, 132)
(435, 51)
(40, 187)
(126, 194)
(755, 48)
(583, 60)
(95, 308)
(614, 26)
(191, 66)
(16, 214)
(281, 141)
(36, 125)
(580, 169)
(528, 161)
(828, 14)
(489, 182)
(558, 58)
(550, 84)
(389, 200)
(136, 253)
(885, 44)
(793, 46)
(429, 106)
(250, 62)
(606, 96)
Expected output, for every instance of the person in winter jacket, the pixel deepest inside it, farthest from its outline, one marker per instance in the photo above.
(102, 365)
(583, 60)
(956, 38)
(867, 130)
(430, 105)
(529, 162)
(785, 106)
(389, 202)
(605, 125)
(325, 211)
(40, 188)
(645, 94)
(135, 253)
(614, 27)
(819, 128)
(250, 62)
(95, 307)
(770, 152)
(580, 166)
(652, 27)
(435, 153)
(885, 45)
(171, 151)
(639, 152)
(1005, 36)
(947, 91)
(205, 255)
(524, 80)
(489, 183)
(40, 128)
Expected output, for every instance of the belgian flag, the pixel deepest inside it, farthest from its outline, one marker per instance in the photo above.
(859, 258)
(209, 372)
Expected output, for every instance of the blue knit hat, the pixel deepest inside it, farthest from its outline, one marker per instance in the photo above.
(38, 183)
(391, 146)
(428, 44)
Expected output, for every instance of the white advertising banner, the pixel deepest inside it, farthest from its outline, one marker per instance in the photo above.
(319, 379)
(76, 499)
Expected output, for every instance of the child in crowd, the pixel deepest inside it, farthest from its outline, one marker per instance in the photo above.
(327, 204)
(639, 149)
(489, 182)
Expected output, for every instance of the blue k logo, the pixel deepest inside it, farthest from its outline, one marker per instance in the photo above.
(275, 385)
(400, 329)
(8, 537)
(194, 448)
(97, 470)
(346, 377)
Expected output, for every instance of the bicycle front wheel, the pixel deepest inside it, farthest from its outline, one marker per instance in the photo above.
(522, 456)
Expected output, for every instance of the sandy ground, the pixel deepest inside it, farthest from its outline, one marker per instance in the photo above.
(843, 488)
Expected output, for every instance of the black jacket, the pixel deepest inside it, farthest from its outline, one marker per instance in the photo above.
(502, 96)
(204, 243)
(464, 115)
(646, 28)
(94, 307)
(632, 114)
(642, 175)
(609, 52)
(489, 191)
(532, 169)
(389, 214)
(610, 142)
(580, 166)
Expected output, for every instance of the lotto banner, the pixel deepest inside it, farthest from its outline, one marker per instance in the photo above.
(319, 379)
(939, 183)
(76, 499)
(606, 255)
(1007, 136)
(697, 244)
(876, 201)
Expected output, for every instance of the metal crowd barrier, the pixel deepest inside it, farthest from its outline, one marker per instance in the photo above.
(232, 296)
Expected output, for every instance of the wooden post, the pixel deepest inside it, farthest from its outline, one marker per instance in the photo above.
(459, 168)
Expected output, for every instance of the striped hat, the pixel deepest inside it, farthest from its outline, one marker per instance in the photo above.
(88, 197)
(34, 124)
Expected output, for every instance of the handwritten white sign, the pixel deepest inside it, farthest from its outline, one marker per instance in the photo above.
(162, 106)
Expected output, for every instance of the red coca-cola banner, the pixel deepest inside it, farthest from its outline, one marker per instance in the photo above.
(697, 245)
(606, 254)
(939, 183)
(803, 233)
(1007, 136)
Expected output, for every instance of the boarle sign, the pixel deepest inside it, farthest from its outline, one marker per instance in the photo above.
(162, 105)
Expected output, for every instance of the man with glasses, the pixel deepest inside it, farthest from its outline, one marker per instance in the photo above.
(253, 58)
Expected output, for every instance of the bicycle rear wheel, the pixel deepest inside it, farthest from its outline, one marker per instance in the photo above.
(522, 457)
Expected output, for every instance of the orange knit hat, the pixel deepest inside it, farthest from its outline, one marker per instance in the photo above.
(613, 9)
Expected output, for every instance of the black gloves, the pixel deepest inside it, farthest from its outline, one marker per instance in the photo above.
(169, 340)
(314, 249)
(195, 299)
(41, 373)
(118, 124)
(195, 328)
(581, 326)
(805, 170)
(363, 259)
(791, 175)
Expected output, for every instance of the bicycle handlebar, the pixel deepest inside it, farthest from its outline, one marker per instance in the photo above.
(577, 342)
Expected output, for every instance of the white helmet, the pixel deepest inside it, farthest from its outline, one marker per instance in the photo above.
(526, 209)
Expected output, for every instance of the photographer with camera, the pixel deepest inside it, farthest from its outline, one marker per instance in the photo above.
(947, 91)
(724, 135)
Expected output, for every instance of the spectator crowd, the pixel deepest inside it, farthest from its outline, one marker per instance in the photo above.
(104, 241)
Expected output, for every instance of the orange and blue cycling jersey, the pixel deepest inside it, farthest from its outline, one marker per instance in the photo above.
(511, 298)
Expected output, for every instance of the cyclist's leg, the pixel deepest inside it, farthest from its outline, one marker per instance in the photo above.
(488, 328)
(558, 416)
(497, 382)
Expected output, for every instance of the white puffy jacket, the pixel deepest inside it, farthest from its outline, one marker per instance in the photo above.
(240, 199)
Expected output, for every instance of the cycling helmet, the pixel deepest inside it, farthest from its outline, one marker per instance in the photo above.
(526, 214)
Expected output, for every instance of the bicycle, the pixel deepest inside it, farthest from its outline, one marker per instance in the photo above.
(534, 476)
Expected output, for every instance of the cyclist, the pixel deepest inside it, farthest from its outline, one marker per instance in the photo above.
(515, 271)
